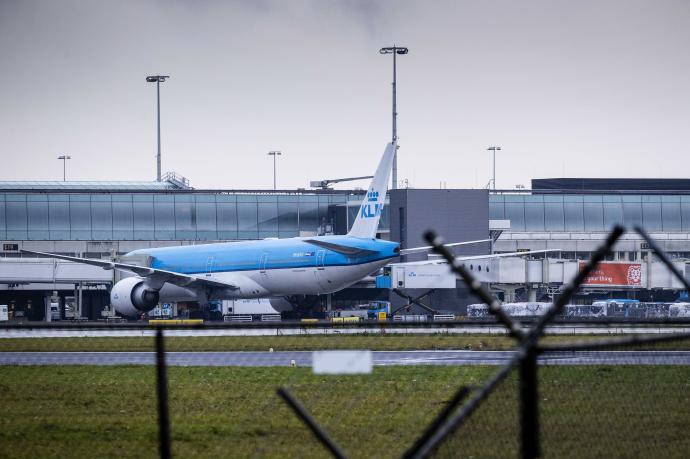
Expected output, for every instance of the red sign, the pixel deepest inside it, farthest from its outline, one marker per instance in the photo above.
(626, 274)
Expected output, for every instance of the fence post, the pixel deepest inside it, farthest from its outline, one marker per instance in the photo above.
(529, 405)
(162, 390)
(438, 422)
(309, 420)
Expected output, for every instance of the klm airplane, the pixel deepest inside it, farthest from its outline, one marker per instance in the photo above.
(280, 269)
(270, 268)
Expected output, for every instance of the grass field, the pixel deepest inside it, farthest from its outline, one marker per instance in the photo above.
(620, 411)
(390, 342)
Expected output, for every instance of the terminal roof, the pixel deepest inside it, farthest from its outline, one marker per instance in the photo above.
(87, 185)
(611, 184)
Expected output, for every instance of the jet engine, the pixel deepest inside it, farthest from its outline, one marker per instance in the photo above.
(281, 304)
(131, 297)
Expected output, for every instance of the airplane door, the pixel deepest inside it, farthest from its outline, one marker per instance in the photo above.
(321, 269)
(263, 262)
(209, 266)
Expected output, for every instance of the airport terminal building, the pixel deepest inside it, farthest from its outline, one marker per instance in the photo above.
(108, 219)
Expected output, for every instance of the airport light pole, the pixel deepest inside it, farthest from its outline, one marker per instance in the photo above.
(274, 154)
(64, 159)
(493, 180)
(158, 79)
(394, 50)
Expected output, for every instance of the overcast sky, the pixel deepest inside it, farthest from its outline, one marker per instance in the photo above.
(566, 88)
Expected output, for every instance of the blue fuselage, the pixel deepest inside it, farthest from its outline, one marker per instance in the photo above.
(274, 267)
(265, 255)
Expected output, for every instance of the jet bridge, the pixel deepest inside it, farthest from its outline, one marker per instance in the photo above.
(548, 271)
(432, 285)
(21, 271)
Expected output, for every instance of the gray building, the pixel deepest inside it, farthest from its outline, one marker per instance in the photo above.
(457, 215)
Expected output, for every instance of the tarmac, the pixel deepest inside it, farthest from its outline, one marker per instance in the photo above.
(380, 358)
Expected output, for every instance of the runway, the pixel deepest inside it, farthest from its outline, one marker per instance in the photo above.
(380, 358)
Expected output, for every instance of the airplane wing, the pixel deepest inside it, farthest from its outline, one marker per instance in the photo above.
(442, 261)
(428, 247)
(158, 275)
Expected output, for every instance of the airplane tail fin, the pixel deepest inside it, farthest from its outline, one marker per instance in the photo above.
(367, 221)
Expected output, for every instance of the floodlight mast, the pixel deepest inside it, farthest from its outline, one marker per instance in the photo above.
(493, 180)
(64, 159)
(158, 79)
(394, 50)
(274, 154)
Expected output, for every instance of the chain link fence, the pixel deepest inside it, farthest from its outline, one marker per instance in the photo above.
(124, 390)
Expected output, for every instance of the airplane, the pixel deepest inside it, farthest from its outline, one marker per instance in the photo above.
(271, 268)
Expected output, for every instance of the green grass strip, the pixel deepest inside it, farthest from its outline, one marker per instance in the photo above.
(598, 411)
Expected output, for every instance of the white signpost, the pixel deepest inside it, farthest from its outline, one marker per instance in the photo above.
(342, 362)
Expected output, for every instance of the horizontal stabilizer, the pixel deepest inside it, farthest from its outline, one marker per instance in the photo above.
(442, 261)
(509, 254)
(344, 249)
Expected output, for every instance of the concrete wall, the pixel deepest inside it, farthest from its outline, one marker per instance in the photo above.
(458, 215)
